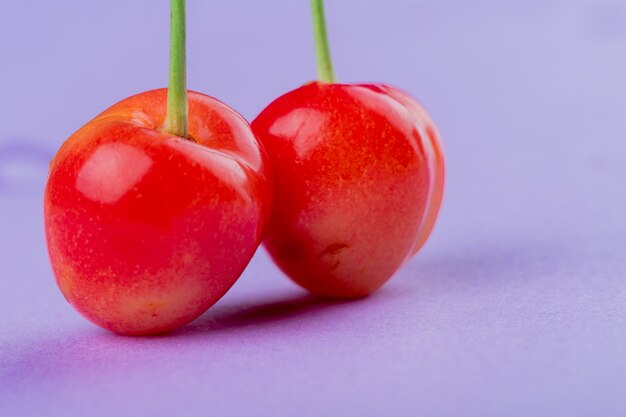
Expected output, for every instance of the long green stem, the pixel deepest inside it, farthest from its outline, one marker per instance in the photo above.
(176, 117)
(325, 71)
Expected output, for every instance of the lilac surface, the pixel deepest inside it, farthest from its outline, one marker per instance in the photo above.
(516, 307)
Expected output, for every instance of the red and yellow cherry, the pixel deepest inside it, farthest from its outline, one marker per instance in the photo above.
(147, 229)
(358, 180)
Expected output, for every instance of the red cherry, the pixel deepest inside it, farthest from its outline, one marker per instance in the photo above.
(358, 175)
(154, 208)
(146, 230)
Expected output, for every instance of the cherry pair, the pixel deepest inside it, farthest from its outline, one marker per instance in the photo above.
(154, 208)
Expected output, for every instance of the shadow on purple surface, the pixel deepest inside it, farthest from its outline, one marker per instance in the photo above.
(97, 352)
(230, 317)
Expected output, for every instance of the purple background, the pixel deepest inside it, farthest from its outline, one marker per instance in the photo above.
(516, 307)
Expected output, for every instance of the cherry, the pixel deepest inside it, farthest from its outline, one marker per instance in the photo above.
(154, 208)
(358, 179)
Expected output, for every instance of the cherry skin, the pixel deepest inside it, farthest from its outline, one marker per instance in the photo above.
(358, 180)
(146, 230)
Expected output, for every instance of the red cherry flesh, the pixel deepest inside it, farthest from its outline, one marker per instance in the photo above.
(358, 181)
(146, 230)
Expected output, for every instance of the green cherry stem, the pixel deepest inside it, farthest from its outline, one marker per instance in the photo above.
(176, 117)
(325, 71)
